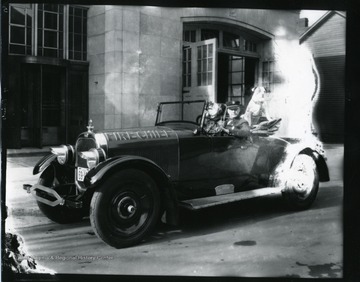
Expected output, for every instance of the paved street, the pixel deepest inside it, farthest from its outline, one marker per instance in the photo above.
(255, 238)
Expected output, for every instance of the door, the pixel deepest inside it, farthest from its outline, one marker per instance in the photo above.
(233, 160)
(235, 78)
(199, 62)
(43, 105)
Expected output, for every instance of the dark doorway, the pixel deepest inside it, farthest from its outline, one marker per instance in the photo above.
(42, 105)
(235, 78)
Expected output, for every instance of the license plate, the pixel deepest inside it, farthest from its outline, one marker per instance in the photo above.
(81, 172)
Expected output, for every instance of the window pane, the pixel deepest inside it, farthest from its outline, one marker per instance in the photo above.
(51, 21)
(237, 65)
(203, 79)
(77, 25)
(40, 20)
(236, 78)
(17, 35)
(204, 51)
(210, 65)
(231, 40)
(204, 66)
(17, 16)
(50, 39)
(50, 53)
(209, 78)
(78, 12)
(16, 49)
(51, 7)
(28, 37)
(209, 34)
(210, 50)
(77, 42)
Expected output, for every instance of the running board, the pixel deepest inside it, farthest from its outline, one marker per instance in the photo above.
(200, 203)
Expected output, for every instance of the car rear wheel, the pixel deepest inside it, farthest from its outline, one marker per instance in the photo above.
(59, 214)
(125, 208)
(302, 183)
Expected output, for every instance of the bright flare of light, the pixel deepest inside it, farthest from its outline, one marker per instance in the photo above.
(293, 100)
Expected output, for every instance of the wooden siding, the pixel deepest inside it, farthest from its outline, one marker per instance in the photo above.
(329, 38)
(329, 111)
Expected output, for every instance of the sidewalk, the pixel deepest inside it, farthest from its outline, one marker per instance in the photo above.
(27, 152)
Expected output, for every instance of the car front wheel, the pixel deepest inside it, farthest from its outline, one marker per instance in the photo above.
(125, 208)
(302, 183)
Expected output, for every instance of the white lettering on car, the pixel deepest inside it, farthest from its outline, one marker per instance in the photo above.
(133, 135)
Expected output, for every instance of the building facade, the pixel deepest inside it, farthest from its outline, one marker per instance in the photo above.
(114, 64)
(329, 53)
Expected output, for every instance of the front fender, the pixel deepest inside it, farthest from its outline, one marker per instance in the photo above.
(44, 163)
(97, 174)
(110, 166)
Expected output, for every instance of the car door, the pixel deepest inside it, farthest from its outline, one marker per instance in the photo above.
(195, 166)
(233, 160)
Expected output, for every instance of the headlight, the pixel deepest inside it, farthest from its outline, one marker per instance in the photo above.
(93, 156)
(64, 153)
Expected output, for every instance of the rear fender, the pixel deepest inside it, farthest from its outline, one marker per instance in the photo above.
(43, 163)
(292, 150)
(97, 175)
(321, 165)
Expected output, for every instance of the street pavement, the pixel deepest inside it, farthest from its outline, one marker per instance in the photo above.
(254, 238)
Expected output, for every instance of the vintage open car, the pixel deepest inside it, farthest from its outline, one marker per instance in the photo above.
(125, 180)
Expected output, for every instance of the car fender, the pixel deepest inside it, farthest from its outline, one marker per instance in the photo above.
(96, 175)
(321, 165)
(43, 163)
(292, 150)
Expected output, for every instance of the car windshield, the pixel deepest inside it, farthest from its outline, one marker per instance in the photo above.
(183, 111)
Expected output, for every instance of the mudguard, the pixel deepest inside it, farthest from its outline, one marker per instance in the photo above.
(44, 163)
(99, 173)
(291, 152)
(111, 165)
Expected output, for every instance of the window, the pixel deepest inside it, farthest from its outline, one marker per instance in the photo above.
(20, 29)
(77, 33)
(50, 30)
(204, 64)
(268, 75)
(187, 67)
(250, 46)
(39, 29)
(231, 41)
(189, 36)
(209, 34)
(236, 78)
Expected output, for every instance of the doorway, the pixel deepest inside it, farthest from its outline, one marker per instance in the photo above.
(236, 75)
(43, 105)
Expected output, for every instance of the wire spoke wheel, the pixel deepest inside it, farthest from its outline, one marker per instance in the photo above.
(125, 209)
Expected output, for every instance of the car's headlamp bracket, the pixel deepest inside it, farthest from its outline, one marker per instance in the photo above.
(64, 153)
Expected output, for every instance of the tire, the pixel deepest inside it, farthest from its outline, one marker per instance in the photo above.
(58, 214)
(125, 208)
(302, 183)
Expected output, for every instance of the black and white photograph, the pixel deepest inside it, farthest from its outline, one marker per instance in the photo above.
(184, 141)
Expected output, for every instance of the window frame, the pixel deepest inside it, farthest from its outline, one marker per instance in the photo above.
(38, 44)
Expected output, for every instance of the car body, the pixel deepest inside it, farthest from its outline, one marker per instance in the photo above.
(126, 179)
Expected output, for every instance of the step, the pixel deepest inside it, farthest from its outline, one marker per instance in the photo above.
(200, 203)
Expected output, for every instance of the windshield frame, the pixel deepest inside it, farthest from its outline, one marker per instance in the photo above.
(158, 120)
